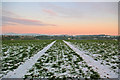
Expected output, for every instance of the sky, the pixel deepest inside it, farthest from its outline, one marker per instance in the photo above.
(71, 18)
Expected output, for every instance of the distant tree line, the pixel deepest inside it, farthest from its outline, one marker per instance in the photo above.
(59, 37)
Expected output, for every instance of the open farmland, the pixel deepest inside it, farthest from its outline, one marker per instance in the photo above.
(103, 51)
(60, 59)
(16, 52)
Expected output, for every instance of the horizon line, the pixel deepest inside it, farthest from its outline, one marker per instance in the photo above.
(61, 34)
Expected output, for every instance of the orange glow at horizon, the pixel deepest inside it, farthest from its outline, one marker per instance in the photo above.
(61, 18)
(69, 30)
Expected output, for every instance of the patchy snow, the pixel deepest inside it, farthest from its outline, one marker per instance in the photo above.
(60, 61)
(23, 68)
(103, 70)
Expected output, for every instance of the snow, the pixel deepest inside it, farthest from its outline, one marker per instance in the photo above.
(23, 68)
(103, 70)
(66, 68)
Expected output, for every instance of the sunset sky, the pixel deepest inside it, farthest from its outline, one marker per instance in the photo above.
(72, 18)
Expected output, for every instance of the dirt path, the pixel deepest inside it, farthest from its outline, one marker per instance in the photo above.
(23, 68)
(103, 70)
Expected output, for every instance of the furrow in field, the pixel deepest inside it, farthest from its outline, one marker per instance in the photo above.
(16, 52)
(60, 61)
(103, 70)
(22, 69)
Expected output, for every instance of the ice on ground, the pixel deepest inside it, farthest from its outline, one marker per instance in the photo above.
(103, 70)
(23, 68)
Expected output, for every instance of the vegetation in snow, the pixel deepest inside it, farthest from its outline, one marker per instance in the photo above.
(17, 52)
(60, 61)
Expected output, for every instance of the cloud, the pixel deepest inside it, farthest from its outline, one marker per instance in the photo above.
(9, 13)
(50, 12)
(13, 21)
(83, 9)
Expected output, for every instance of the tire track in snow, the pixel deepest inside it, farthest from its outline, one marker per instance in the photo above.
(23, 68)
(103, 70)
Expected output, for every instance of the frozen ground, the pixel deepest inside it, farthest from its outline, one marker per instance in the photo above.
(104, 51)
(60, 61)
(16, 52)
(23, 68)
(103, 70)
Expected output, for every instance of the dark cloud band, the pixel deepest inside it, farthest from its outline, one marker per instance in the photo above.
(10, 21)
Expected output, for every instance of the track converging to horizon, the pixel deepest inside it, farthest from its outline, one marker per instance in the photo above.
(23, 69)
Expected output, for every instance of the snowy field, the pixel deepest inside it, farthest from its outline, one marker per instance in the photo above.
(60, 59)
(104, 51)
(15, 53)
